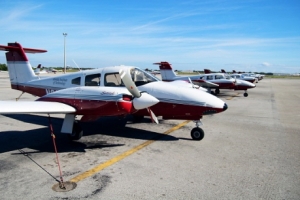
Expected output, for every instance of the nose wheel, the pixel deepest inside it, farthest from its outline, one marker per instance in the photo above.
(197, 133)
(245, 94)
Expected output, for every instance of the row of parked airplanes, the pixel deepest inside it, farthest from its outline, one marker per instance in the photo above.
(116, 91)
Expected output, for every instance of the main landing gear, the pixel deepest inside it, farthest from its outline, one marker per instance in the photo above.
(197, 133)
(77, 131)
(217, 91)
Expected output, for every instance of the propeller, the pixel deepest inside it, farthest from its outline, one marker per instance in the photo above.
(141, 100)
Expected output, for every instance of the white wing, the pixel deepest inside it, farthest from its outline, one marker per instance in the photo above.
(25, 107)
(206, 84)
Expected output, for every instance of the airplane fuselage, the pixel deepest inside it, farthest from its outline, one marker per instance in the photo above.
(101, 91)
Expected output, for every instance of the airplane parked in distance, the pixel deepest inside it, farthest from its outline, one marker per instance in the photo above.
(208, 80)
(40, 70)
(241, 77)
(258, 76)
(239, 84)
(110, 91)
(54, 70)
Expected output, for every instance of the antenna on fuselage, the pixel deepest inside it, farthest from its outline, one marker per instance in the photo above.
(76, 65)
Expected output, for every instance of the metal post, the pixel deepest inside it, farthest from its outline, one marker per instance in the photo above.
(65, 35)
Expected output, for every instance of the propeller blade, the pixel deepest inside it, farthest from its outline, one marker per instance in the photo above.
(152, 115)
(144, 101)
(130, 85)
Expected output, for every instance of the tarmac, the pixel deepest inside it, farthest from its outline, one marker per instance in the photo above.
(250, 151)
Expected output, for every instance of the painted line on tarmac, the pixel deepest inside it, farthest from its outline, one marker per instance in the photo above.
(237, 94)
(123, 155)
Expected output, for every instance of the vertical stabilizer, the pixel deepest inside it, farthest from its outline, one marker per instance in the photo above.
(18, 65)
(207, 71)
(166, 71)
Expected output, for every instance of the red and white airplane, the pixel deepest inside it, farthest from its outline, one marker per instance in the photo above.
(208, 80)
(109, 91)
(241, 77)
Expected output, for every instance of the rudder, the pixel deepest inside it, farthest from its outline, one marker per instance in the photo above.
(166, 71)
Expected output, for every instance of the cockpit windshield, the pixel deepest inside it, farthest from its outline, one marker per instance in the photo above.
(141, 77)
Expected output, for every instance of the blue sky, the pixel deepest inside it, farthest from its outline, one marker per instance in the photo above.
(249, 35)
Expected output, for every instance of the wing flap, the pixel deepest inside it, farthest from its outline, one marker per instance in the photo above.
(39, 107)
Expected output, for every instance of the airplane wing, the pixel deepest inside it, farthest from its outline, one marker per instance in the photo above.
(206, 84)
(39, 107)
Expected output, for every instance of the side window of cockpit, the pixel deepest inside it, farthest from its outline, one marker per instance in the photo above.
(218, 77)
(92, 80)
(209, 78)
(113, 80)
(76, 81)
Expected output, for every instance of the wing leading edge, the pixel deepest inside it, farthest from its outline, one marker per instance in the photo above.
(26, 107)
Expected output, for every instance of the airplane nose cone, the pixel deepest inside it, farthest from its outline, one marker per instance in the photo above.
(225, 107)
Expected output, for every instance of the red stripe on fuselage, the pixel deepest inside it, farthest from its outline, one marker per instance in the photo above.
(225, 85)
(95, 107)
(31, 90)
(179, 111)
(242, 87)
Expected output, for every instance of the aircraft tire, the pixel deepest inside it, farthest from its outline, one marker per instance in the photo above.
(217, 91)
(197, 134)
(77, 132)
(245, 94)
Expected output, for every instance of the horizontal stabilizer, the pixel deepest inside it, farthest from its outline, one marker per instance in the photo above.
(164, 65)
(38, 107)
(26, 50)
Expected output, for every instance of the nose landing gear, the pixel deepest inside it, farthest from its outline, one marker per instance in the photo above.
(197, 133)
(245, 94)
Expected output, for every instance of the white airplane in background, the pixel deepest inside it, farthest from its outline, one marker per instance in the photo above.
(39, 70)
(167, 74)
(109, 91)
(208, 80)
(241, 77)
(239, 84)
(258, 76)
(54, 70)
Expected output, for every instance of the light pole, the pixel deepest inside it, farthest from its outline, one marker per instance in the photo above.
(65, 35)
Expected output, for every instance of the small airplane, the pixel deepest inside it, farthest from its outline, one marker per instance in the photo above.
(239, 84)
(241, 77)
(54, 70)
(258, 76)
(208, 80)
(167, 74)
(39, 70)
(110, 91)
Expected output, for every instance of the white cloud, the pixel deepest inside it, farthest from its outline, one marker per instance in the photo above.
(266, 64)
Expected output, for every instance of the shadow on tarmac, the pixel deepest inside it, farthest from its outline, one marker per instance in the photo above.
(40, 139)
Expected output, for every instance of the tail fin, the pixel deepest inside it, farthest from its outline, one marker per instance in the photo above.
(207, 71)
(166, 71)
(223, 71)
(18, 65)
(233, 71)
